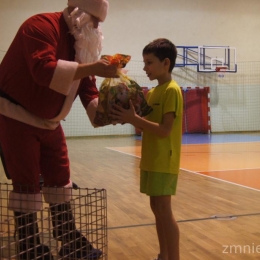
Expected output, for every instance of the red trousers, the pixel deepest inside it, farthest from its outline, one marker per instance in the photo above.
(30, 152)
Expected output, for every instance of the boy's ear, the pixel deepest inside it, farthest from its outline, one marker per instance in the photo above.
(167, 62)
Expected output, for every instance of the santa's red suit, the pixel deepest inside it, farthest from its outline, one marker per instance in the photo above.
(36, 92)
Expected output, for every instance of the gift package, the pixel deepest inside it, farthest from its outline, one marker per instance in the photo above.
(119, 91)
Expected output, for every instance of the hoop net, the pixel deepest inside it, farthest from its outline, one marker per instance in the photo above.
(221, 71)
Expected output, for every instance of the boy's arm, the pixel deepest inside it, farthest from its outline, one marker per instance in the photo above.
(162, 130)
(129, 116)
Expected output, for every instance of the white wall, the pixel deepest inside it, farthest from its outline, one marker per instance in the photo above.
(130, 25)
(189, 22)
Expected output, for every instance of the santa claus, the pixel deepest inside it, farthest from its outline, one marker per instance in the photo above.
(52, 59)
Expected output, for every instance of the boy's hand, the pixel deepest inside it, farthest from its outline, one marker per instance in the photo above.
(123, 115)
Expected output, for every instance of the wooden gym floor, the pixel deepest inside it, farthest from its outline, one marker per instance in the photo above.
(217, 204)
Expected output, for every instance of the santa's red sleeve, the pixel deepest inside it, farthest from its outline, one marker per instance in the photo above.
(88, 94)
(44, 50)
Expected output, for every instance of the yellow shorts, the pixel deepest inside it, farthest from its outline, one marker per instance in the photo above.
(158, 183)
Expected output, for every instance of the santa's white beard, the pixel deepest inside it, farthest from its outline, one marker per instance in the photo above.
(88, 44)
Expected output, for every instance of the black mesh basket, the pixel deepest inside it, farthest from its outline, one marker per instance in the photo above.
(89, 211)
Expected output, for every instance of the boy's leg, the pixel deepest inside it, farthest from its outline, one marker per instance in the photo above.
(160, 187)
(162, 240)
(167, 227)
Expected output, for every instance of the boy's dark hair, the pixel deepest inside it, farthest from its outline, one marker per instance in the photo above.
(162, 48)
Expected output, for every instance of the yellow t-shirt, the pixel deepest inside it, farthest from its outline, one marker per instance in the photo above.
(162, 154)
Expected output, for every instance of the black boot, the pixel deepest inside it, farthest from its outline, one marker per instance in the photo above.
(74, 244)
(29, 240)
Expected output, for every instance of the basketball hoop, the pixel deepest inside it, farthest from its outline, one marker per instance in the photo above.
(221, 71)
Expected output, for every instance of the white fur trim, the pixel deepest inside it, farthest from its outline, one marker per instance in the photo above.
(68, 102)
(63, 76)
(18, 113)
(24, 202)
(62, 82)
(97, 8)
(91, 110)
(57, 194)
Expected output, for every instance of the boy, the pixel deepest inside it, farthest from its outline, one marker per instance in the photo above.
(161, 142)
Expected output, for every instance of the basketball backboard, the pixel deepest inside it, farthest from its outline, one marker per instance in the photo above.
(207, 58)
(212, 57)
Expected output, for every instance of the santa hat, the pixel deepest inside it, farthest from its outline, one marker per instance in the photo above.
(97, 8)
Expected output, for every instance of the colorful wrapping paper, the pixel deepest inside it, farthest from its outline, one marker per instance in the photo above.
(119, 91)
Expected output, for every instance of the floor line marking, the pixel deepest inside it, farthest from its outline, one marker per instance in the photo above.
(122, 152)
(229, 182)
(226, 170)
(201, 174)
(189, 220)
